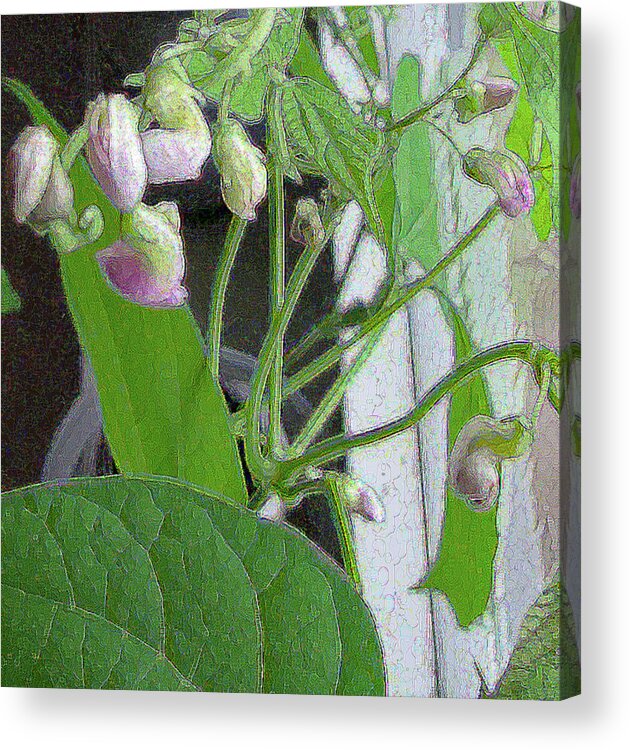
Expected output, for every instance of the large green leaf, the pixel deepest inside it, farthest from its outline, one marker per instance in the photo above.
(545, 664)
(163, 412)
(145, 583)
(209, 71)
(10, 298)
(327, 138)
(464, 568)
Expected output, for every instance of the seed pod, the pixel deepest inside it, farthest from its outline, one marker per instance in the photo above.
(42, 190)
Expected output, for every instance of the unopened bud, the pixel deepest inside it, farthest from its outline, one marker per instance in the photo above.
(114, 150)
(242, 169)
(42, 190)
(361, 499)
(147, 264)
(481, 97)
(473, 465)
(506, 174)
(273, 509)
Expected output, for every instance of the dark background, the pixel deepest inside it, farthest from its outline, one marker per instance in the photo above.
(67, 60)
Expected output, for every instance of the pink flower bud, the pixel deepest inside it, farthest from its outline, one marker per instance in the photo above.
(146, 265)
(42, 190)
(481, 97)
(473, 465)
(361, 499)
(506, 174)
(114, 150)
(175, 155)
(575, 191)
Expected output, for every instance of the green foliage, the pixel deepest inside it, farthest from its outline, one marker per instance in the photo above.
(545, 664)
(144, 583)
(415, 231)
(10, 299)
(464, 568)
(545, 64)
(326, 138)
(163, 412)
(210, 67)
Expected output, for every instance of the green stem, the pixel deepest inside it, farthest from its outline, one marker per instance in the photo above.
(327, 360)
(343, 526)
(259, 465)
(419, 114)
(335, 393)
(73, 146)
(542, 396)
(335, 447)
(277, 282)
(219, 287)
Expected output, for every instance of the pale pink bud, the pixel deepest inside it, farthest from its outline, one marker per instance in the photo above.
(42, 190)
(481, 97)
(361, 499)
(473, 465)
(114, 150)
(147, 264)
(175, 155)
(506, 174)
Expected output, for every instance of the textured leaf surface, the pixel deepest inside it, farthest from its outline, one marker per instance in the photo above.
(10, 298)
(209, 74)
(163, 412)
(545, 664)
(326, 138)
(416, 230)
(464, 568)
(149, 584)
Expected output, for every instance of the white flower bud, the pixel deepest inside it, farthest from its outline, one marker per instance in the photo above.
(42, 191)
(242, 169)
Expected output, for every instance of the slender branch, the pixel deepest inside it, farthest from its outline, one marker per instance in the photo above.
(219, 287)
(419, 114)
(327, 360)
(72, 147)
(276, 282)
(335, 393)
(335, 447)
(259, 465)
(343, 526)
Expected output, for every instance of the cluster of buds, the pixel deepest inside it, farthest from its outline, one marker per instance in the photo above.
(506, 174)
(481, 97)
(473, 465)
(146, 263)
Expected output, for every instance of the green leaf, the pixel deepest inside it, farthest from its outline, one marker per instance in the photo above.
(208, 72)
(163, 413)
(10, 299)
(464, 568)
(416, 227)
(327, 138)
(546, 65)
(545, 664)
(145, 583)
